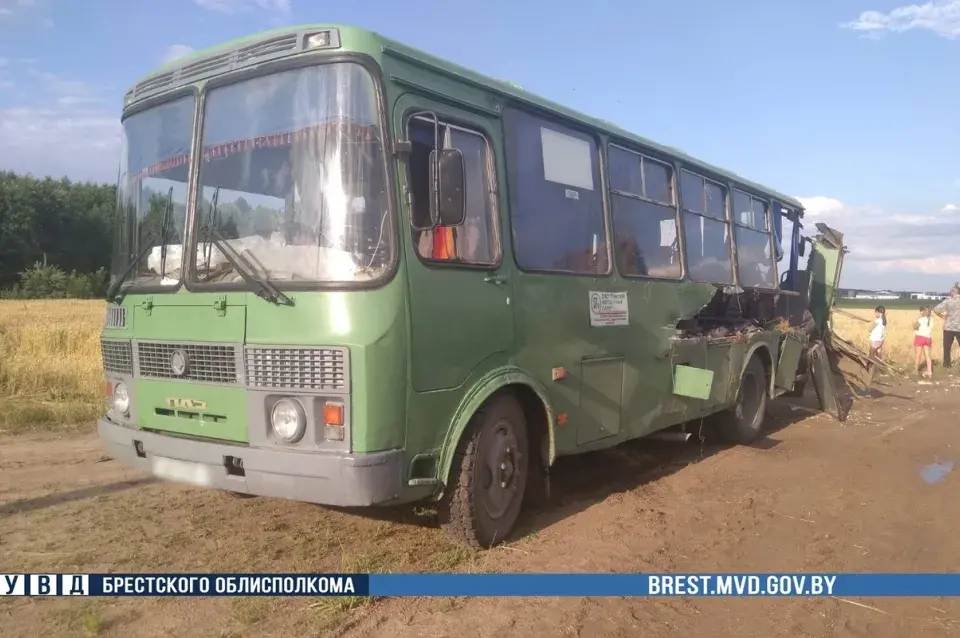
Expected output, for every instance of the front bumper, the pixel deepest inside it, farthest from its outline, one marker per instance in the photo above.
(345, 480)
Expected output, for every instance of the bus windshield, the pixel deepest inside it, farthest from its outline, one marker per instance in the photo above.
(293, 177)
(152, 192)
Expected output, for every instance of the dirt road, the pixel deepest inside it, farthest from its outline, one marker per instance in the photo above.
(815, 495)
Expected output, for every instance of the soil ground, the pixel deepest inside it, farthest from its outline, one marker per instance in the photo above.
(814, 495)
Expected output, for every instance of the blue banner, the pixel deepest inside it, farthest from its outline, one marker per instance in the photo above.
(633, 585)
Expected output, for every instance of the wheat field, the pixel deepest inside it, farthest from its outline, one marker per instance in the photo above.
(51, 374)
(898, 348)
(50, 367)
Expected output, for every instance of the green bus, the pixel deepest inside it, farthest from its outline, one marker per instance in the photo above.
(349, 273)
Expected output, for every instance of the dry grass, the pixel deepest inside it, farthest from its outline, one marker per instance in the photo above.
(898, 349)
(50, 367)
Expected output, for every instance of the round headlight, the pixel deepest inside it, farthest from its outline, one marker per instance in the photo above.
(288, 420)
(121, 399)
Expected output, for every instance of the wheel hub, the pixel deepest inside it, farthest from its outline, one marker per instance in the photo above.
(502, 460)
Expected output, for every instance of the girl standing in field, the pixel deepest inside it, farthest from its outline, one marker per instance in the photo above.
(923, 339)
(879, 332)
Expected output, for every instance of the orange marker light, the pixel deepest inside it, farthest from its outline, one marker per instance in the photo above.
(333, 413)
(109, 389)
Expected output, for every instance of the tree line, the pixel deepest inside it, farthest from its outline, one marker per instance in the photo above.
(56, 236)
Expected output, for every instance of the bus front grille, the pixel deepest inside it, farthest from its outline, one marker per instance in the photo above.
(321, 369)
(117, 356)
(208, 363)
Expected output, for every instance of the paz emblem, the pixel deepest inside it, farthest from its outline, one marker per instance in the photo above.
(178, 362)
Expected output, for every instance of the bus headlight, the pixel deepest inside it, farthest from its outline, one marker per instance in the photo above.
(121, 399)
(288, 420)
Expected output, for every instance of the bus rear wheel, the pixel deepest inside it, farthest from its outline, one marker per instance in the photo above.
(488, 477)
(743, 424)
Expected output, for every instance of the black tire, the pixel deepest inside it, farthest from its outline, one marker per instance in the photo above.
(488, 477)
(743, 424)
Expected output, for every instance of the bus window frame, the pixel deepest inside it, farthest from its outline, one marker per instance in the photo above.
(675, 205)
(493, 194)
(569, 125)
(726, 221)
(317, 58)
(766, 230)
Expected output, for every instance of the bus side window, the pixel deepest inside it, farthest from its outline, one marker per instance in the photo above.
(644, 215)
(706, 227)
(755, 263)
(556, 201)
(476, 241)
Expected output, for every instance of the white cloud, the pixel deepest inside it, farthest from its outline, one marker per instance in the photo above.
(79, 143)
(884, 241)
(177, 51)
(64, 86)
(821, 205)
(75, 100)
(282, 7)
(941, 265)
(62, 130)
(9, 7)
(940, 16)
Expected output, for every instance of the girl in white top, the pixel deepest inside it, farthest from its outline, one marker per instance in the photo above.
(923, 340)
(879, 332)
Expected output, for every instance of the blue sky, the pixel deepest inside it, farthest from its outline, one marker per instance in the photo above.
(850, 105)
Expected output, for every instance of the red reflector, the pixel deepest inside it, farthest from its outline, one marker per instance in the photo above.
(109, 389)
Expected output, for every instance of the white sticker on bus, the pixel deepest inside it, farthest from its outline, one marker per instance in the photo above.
(609, 309)
(668, 231)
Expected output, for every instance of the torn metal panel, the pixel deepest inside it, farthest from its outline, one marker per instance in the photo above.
(830, 236)
(829, 387)
(791, 351)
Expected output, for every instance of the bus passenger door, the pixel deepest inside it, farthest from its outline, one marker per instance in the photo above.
(460, 287)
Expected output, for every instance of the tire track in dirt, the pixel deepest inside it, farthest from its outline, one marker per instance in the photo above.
(814, 496)
(819, 496)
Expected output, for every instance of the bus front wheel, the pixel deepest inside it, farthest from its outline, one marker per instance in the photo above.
(488, 477)
(743, 424)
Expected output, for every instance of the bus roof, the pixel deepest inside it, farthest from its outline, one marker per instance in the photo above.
(504, 88)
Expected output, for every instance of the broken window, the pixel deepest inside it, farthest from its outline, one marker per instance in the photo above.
(706, 229)
(755, 263)
(476, 241)
(556, 204)
(644, 215)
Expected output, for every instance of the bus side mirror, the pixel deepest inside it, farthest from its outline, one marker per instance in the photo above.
(803, 247)
(447, 201)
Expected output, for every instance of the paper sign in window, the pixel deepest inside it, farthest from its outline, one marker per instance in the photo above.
(668, 232)
(566, 159)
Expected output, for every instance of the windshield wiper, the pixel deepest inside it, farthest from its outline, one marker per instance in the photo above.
(262, 286)
(163, 234)
(114, 292)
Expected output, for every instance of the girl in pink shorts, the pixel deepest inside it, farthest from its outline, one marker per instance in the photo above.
(923, 339)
